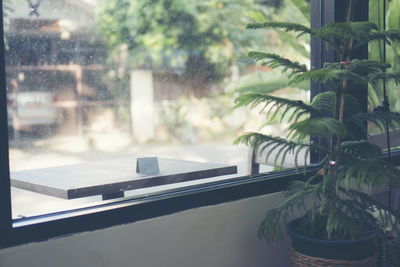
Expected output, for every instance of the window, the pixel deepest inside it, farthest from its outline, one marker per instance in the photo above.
(385, 15)
(103, 83)
(84, 78)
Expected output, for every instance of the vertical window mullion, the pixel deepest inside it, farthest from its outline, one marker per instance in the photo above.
(5, 193)
(324, 12)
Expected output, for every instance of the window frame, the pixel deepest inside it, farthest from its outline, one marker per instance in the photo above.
(116, 212)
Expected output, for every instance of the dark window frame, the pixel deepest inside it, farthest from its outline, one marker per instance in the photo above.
(324, 12)
(117, 212)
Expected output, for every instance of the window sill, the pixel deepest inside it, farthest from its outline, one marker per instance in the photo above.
(131, 209)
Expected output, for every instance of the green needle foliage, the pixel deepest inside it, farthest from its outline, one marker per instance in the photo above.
(275, 61)
(333, 203)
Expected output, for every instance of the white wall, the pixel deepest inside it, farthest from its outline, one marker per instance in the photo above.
(142, 105)
(221, 236)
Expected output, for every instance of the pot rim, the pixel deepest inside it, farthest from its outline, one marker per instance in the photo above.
(293, 234)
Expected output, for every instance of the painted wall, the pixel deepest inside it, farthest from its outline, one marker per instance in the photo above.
(219, 235)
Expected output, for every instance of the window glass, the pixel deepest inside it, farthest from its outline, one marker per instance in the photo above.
(93, 85)
(385, 15)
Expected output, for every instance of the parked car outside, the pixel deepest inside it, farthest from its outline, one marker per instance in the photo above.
(33, 107)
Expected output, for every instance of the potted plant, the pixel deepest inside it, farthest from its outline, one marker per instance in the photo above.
(335, 224)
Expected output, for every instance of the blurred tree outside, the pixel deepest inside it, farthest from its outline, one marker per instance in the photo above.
(392, 19)
(284, 43)
(198, 39)
(7, 10)
(204, 43)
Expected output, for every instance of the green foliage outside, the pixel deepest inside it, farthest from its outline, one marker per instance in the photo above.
(7, 9)
(198, 39)
(392, 51)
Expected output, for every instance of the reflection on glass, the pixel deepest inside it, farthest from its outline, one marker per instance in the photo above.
(386, 15)
(98, 80)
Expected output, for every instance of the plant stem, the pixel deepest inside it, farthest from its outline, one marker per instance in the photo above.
(340, 95)
(341, 108)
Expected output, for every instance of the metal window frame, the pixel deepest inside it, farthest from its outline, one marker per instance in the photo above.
(111, 213)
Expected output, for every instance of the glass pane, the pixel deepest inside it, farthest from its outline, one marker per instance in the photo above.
(94, 85)
(385, 15)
